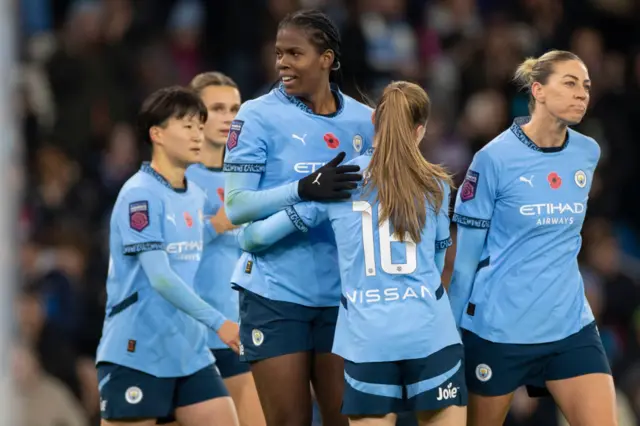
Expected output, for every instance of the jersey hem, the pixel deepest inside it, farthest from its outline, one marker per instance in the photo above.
(413, 355)
(184, 373)
(295, 302)
(536, 342)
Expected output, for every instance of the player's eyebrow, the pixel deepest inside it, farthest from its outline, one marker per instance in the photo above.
(576, 78)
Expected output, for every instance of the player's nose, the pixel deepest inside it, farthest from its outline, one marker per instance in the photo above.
(282, 64)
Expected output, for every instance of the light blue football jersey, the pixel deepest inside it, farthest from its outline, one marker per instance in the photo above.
(141, 329)
(528, 288)
(281, 139)
(219, 257)
(394, 306)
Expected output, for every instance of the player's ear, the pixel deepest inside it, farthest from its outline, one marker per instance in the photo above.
(327, 59)
(537, 91)
(420, 132)
(155, 134)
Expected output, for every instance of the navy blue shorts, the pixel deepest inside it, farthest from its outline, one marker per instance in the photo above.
(229, 364)
(128, 394)
(431, 383)
(495, 369)
(270, 328)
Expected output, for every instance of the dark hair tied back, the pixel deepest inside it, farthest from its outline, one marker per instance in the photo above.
(323, 33)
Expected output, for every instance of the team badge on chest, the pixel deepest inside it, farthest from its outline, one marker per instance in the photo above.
(580, 178)
(357, 143)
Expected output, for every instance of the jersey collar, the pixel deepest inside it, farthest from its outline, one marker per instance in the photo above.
(297, 102)
(516, 128)
(146, 168)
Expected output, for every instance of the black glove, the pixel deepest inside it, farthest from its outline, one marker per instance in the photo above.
(330, 182)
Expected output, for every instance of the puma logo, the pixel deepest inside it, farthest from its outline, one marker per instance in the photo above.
(301, 139)
(529, 181)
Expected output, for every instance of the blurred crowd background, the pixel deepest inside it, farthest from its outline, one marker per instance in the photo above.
(85, 66)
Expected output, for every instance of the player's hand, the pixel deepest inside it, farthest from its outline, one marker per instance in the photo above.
(221, 222)
(229, 333)
(330, 182)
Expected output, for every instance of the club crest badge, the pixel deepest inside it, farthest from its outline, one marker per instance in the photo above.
(580, 178)
(357, 143)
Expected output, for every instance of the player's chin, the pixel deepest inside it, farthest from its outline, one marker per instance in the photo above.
(219, 142)
(293, 88)
(192, 157)
(573, 118)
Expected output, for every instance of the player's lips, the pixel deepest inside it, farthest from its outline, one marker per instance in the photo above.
(288, 79)
(224, 132)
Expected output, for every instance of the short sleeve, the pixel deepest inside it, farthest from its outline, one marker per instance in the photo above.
(443, 233)
(138, 215)
(246, 150)
(477, 195)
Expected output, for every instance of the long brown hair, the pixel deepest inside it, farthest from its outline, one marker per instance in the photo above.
(404, 179)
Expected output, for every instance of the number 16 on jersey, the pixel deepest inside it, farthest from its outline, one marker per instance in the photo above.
(385, 240)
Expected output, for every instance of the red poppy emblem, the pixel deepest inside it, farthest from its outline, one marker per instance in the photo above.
(555, 181)
(331, 140)
(220, 192)
(188, 219)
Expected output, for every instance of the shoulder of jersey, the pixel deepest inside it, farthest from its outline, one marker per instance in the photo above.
(356, 106)
(197, 189)
(261, 103)
(139, 180)
(198, 173)
(585, 142)
(140, 183)
(499, 146)
(194, 169)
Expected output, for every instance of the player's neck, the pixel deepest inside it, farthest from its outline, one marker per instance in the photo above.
(172, 173)
(322, 102)
(545, 130)
(211, 155)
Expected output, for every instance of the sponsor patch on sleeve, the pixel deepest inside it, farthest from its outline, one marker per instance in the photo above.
(469, 186)
(234, 134)
(139, 215)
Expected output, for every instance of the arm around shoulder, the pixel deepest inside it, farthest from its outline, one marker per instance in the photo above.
(260, 235)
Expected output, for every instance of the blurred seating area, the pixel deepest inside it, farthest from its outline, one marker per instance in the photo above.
(85, 66)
